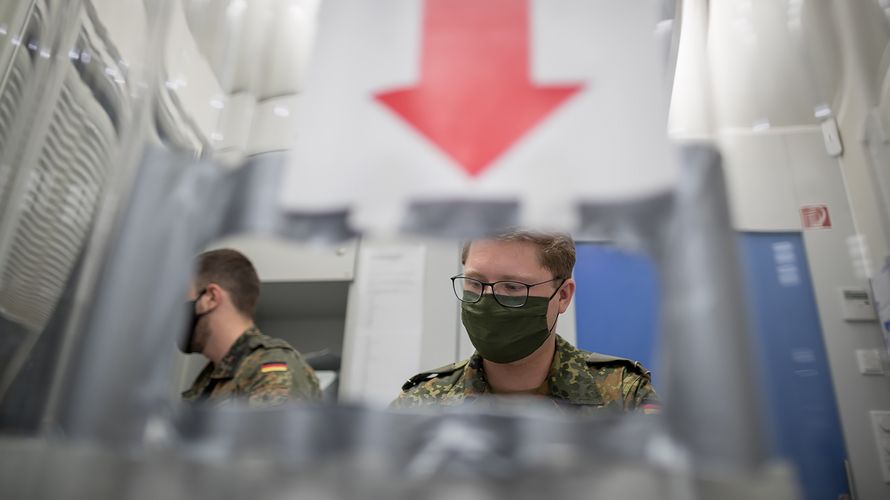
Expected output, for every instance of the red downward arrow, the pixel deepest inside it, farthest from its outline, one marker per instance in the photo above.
(474, 99)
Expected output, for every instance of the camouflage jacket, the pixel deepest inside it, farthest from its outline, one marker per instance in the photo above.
(578, 381)
(259, 370)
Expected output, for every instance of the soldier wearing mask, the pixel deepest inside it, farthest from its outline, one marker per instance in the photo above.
(512, 291)
(243, 363)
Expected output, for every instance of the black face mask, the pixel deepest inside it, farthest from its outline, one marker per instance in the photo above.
(185, 340)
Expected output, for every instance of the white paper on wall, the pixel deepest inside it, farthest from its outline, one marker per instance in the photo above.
(389, 324)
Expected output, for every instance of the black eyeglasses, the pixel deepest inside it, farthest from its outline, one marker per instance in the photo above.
(506, 293)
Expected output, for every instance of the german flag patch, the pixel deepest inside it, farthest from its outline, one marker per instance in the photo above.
(273, 367)
(651, 408)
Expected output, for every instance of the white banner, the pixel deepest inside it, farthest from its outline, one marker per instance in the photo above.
(543, 102)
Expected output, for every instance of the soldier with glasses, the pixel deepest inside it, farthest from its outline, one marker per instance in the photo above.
(512, 291)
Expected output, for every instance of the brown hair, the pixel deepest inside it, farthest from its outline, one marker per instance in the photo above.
(556, 251)
(234, 273)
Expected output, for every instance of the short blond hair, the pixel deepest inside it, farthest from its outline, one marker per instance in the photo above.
(556, 251)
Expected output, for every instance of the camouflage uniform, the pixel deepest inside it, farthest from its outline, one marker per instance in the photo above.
(259, 370)
(578, 381)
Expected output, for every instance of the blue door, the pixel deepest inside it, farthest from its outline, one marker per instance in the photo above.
(617, 313)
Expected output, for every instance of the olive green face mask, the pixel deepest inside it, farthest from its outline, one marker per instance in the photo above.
(503, 334)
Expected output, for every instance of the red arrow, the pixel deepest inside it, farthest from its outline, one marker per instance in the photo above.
(474, 98)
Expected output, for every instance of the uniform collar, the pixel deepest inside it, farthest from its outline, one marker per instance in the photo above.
(569, 378)
(241, 348)
(474, 381)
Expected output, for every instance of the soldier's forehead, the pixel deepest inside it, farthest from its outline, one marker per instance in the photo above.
(504, 260)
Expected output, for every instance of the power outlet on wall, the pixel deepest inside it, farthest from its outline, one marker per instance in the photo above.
(870, 361)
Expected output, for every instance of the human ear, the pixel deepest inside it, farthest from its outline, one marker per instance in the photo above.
(214, 295)
(566, 292)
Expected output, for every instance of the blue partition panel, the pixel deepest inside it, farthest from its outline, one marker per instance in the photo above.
(616, 302)
(617, 313)
(797, 380)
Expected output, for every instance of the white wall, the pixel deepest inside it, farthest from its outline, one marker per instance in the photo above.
(864, 37)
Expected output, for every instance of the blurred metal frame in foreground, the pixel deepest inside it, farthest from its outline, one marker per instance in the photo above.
(348, 452)
(117, 397)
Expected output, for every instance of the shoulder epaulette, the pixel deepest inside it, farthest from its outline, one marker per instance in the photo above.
(269, 342)
(595, 359)
(435, 373)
